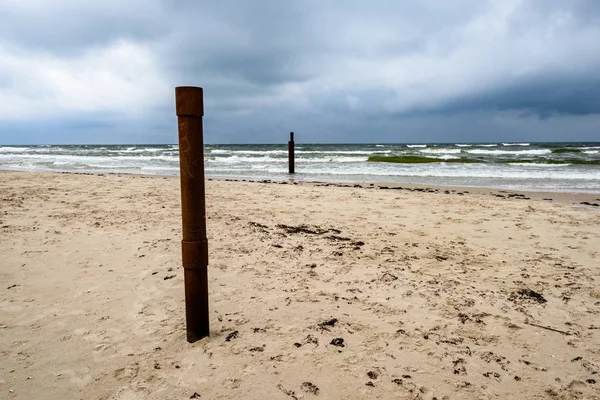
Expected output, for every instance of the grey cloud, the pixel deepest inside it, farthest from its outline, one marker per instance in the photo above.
(68, 27)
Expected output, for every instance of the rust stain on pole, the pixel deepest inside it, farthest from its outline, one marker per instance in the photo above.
(291, 153)
(189, 106)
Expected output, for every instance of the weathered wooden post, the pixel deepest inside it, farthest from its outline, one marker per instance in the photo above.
(291, 153)
(189, 105)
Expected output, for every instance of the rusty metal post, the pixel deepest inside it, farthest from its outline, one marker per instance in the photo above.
(291, 153)
(189, 105)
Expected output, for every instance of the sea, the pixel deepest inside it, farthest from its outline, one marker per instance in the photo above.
(551, 167)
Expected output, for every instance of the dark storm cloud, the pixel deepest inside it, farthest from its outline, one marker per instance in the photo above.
(343, 71)
(570, 95)
(542, 97)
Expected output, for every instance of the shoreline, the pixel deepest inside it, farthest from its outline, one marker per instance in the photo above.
(570, 167)
(562, 197)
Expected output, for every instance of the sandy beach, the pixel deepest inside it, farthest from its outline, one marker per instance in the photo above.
(316, 291)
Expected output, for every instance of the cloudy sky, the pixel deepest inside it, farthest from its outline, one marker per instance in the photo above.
(104, 71)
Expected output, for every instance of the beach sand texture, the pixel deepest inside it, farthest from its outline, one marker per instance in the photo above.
(315, 292)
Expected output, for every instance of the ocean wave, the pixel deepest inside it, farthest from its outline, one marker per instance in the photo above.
(510, 152)
(416, 145)
(285, 152)
(135, 150)
(345, 152)
(461, 171)
(463, 145)
(266, 159)
(421, 160)
(515, 144)
(159, 168)
(333, 160)
(9, 149)
(146, 158)
(262, 152)
(542, 165)
(566, 150)
(458, 160)
(237, 159)
(112, 166)
(441, 151)
(129, 150)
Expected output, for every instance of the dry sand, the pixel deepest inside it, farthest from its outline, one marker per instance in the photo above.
(435, 295)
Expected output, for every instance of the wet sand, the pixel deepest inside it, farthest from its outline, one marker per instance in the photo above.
(316, 291)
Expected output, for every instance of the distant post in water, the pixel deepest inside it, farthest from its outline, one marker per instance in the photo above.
(189, 106)
(291, 153)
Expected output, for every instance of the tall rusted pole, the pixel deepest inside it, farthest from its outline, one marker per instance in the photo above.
(189, 104)
(291, 153)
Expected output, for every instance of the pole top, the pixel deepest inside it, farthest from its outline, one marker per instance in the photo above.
(292, 136)
(189, 101)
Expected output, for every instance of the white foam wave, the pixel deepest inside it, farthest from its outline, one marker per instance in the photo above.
(515, 144)
(488, 145)
(284, 152)
(346, 152)
(512, 152)
(462, 171)
(261, 152)
(9, 149)
(334, 160)
(591, 152)
(259, 160)
(441, 151)
(238, 159)
(416, 145)
(153, 168)
(463, 145)
(448, 157)
(146, 158)
(539, 165)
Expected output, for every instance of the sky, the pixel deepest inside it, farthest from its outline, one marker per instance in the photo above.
(379, 71)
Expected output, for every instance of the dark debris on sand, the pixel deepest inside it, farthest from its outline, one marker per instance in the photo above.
(587, 203)
(303, 228)
(232, 336)
(527, 294)
(373, 375)
(309, 339)
(309, 387)
(325, 325)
